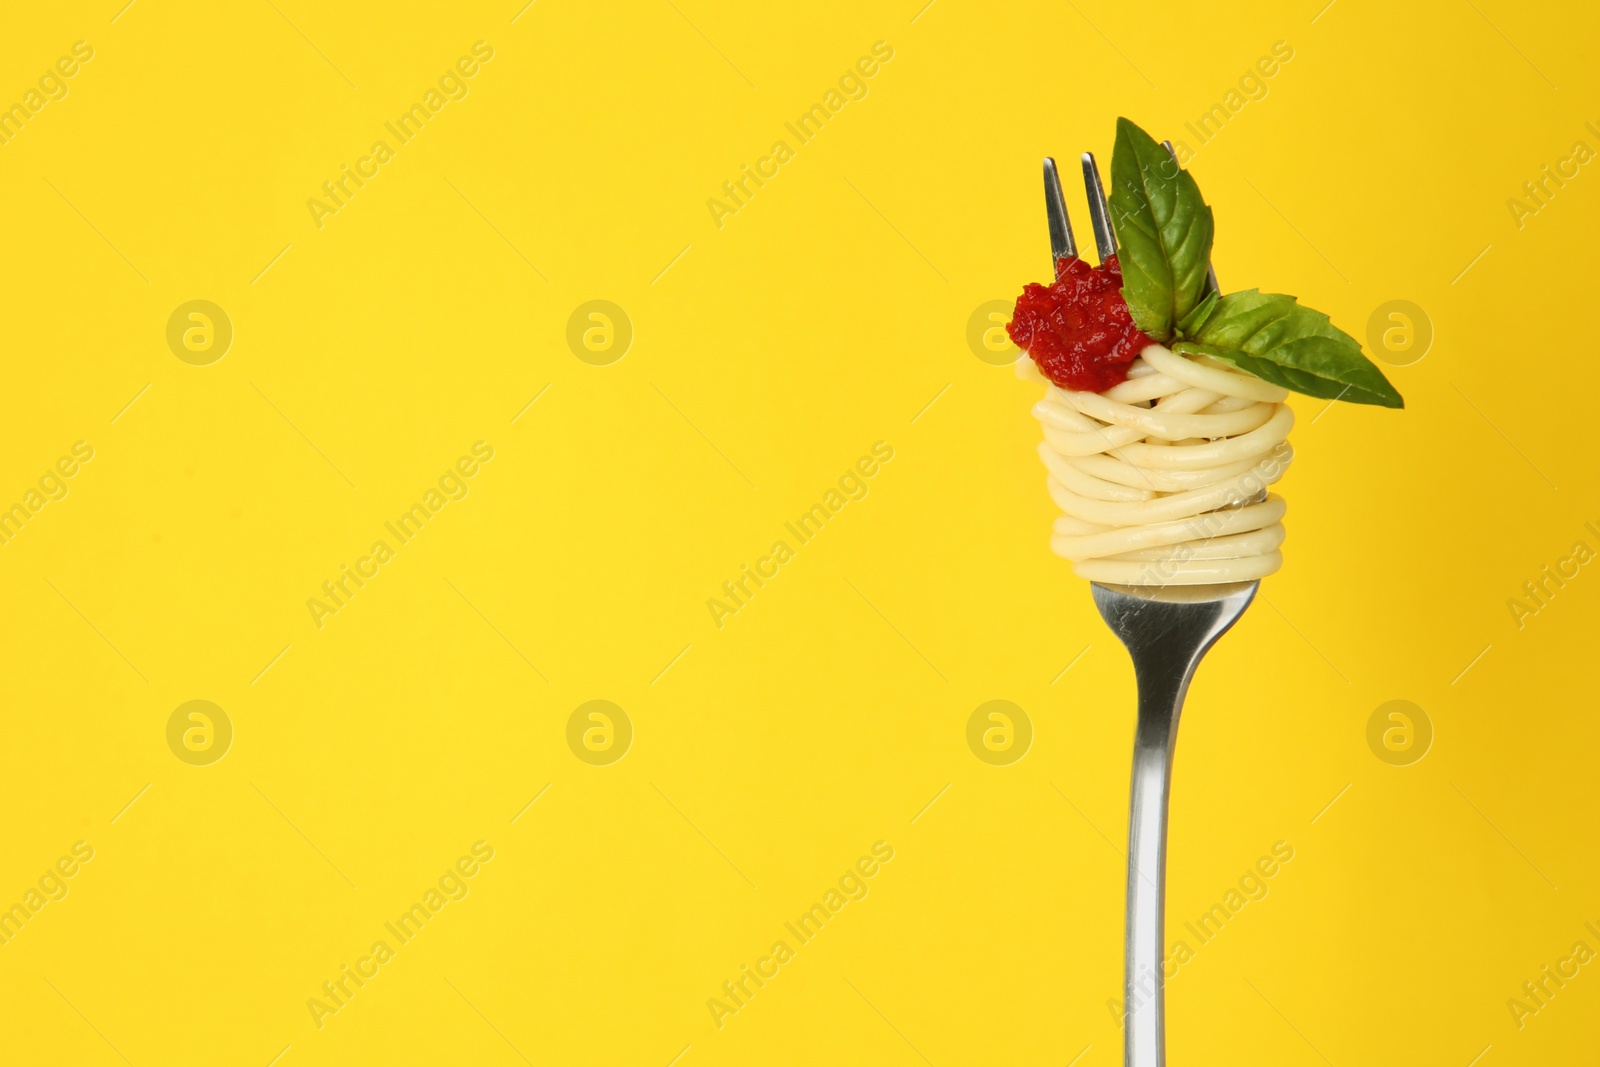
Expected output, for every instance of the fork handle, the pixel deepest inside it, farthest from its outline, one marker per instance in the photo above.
(1161, 694)
(1166, 631)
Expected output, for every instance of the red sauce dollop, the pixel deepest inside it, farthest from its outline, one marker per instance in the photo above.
(1078, 330)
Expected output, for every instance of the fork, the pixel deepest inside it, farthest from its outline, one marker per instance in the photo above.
(1167, 630)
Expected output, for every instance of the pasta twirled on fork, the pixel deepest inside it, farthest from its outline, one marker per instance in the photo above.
(1162, 479)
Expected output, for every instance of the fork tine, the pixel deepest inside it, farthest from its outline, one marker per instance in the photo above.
(1211, 272)
(1062, 246)
(1099, 214)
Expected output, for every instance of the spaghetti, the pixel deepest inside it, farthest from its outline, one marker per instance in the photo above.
(1162, 480)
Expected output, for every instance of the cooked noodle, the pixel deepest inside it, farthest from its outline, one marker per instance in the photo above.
(1162, 479)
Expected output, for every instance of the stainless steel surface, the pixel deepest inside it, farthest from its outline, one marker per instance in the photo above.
(1105, 241)
(1055, 208)
(1166, 631)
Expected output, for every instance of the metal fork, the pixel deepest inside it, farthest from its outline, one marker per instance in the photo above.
(1055, 206)
(1167, 630)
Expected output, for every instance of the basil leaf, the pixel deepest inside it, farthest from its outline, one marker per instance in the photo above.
(1163, 230)
(1272, 337)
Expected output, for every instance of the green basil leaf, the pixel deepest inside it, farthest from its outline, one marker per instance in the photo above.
(1272, 337)
(1163, 230)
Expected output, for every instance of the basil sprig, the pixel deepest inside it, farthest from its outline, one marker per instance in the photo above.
(1164, 231)
(1272, 337)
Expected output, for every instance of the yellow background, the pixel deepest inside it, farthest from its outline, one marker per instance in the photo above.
(768, 355)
